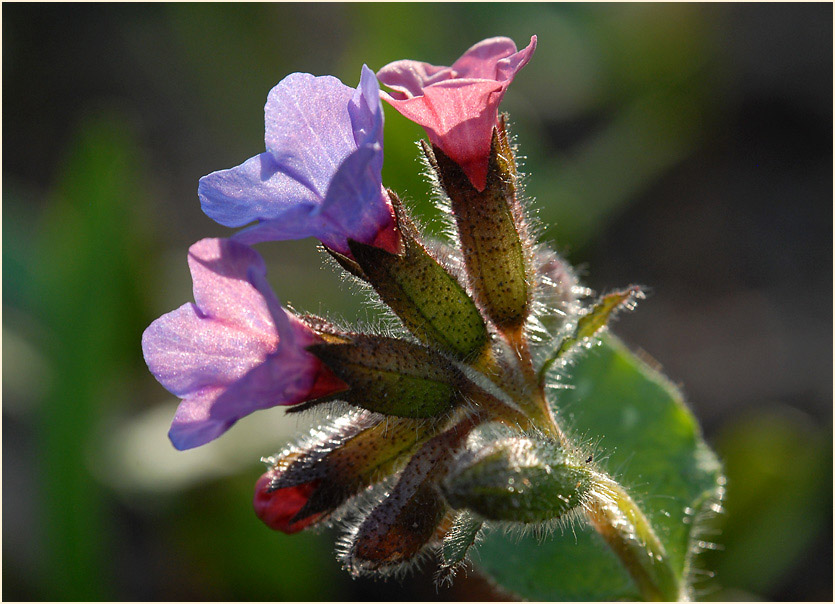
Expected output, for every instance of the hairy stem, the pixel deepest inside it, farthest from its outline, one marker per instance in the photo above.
(622, 524)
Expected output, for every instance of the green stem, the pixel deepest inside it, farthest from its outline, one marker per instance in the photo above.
(622, 524)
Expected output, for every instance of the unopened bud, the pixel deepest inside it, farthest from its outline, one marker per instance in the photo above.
(308, 482)
(277, 508)
(407, 521)
(519, 479)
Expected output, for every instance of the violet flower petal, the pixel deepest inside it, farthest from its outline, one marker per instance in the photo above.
(308, 128)
(321, 174)
(234, 351)
(255, 190)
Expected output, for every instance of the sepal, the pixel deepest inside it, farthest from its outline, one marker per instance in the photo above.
(519, 479)
(458, 540)
(392, 376)
(492, 233)
(429, 301)
(307, 483)
(407, 522)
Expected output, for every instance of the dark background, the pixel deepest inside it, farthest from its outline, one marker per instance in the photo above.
(684, 147)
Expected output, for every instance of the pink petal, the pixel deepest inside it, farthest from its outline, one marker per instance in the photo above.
(459, 116)
(481, 59)
(193, 423)
(222, 291)
(233, 352)
(458, 105)
(188, 351)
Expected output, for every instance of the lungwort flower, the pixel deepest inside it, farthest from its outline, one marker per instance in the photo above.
(321, 173)
(458, 105)
(453, 419)
(234, 350)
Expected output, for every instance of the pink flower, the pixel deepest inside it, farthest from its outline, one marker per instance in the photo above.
(234, 350)
(459, 105)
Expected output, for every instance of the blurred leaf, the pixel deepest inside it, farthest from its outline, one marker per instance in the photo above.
(779, 499)
(652, 445)
(89, 295)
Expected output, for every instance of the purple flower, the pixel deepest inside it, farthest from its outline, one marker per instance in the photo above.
(235, 350)
(321, 174)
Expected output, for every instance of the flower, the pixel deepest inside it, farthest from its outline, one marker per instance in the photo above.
(234, 350)
(321, 174)
(458, 105)
(313, 478)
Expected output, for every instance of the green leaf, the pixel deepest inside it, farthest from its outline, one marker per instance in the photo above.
(650, 442)
(777, 503)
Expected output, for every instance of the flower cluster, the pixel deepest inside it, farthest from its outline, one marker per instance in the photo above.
(426, 430)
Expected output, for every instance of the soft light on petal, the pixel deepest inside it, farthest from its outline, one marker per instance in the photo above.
(220, 270)
(458, 105)
(187, 351)
(235, 350)
(193, 423)
(357, 206)
(308, 128)
(321, 174)
(255, 190)
(366, 113)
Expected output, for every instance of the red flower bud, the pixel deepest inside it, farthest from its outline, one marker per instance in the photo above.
(277, 508)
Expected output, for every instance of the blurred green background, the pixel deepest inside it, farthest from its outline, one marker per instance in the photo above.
(684, 147)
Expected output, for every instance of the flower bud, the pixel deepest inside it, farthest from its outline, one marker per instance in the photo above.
(407, 521)
(519, 479)
(278, 507)
(398, 529)
(308, 482)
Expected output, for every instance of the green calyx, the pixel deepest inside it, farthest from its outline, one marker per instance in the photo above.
(491, 231)
(355, 452)
(392, 376)
(520, 479)
(430, 301)
(457, 542)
